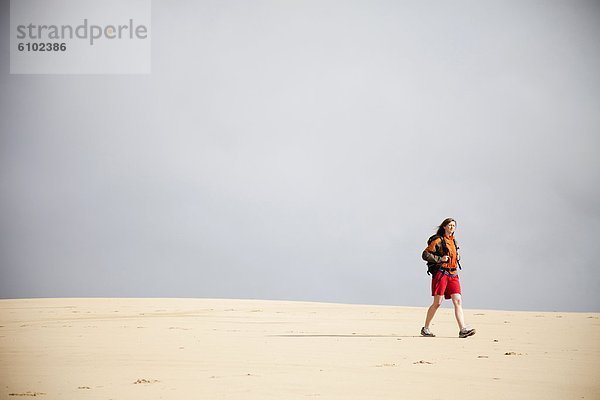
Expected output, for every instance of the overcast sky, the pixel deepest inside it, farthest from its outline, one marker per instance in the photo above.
(306, 150)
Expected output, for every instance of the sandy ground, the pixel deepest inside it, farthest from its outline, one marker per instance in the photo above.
(247, 349)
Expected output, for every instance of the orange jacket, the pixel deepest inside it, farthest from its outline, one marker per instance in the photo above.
(434, 251)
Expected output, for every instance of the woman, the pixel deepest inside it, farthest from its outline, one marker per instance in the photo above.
(442, 253)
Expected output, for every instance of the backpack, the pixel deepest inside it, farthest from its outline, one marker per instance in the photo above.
(432, 267)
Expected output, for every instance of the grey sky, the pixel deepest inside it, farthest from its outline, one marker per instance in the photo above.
(305, 150)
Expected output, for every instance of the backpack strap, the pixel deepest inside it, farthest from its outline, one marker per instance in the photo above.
(457, 260)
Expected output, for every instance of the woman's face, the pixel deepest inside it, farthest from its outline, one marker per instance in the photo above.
(450, 228)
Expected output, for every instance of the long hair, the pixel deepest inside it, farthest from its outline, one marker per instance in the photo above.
(440, 229)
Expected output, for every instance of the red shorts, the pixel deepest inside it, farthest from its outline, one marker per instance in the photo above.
(445, 285)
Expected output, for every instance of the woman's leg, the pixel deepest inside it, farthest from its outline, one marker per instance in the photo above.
(458, 311)
(437, 302)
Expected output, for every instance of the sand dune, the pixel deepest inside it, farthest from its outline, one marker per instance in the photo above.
(248, 349)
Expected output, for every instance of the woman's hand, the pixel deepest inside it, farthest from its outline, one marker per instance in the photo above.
(445, 259)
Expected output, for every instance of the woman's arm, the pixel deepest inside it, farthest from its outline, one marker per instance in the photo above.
(429, 253)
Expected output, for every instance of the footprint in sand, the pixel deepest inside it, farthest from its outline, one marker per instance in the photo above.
(31, 394)
(512, 353)
(145, 381)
